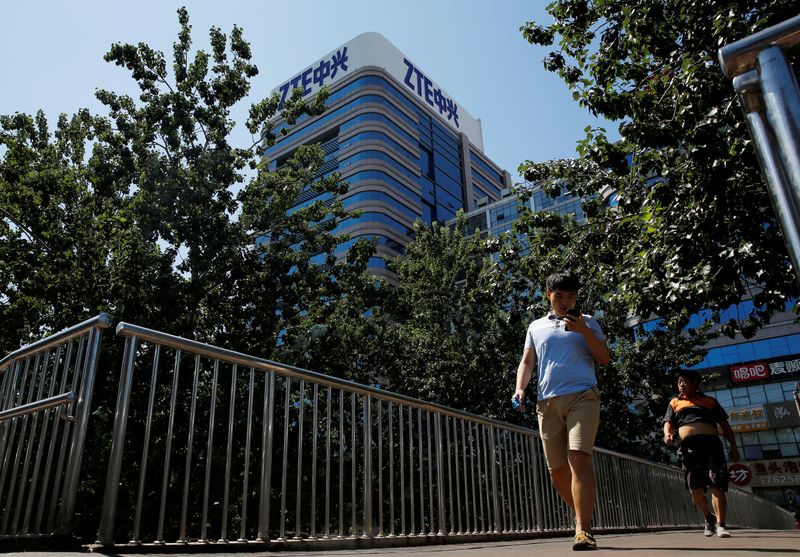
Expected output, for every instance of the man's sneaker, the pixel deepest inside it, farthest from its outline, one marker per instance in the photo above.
(722, 532)
(583, 542)
(710, 526)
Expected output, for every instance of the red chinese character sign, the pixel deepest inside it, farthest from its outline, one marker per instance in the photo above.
(749, 372)
(759, 371)
(739, 474)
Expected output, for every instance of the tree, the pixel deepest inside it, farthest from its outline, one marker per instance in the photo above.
(137, 214)
(444, 333)
(348, 332)
(458, 339)
(243, 265)
(693, 219)
(66, 243)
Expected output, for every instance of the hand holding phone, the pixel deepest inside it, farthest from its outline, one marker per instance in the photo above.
(572, 317)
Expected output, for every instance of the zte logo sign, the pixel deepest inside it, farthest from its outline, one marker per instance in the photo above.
(423, 87)
(750, 372)
(325, 70)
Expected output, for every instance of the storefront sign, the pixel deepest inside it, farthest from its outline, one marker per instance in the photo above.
(748, 418)
(784, 368)
(752, 371)
(740, 474)
(782, 414)
(778, 472)
(757, 371)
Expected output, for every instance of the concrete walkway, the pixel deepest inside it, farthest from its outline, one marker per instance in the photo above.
(763, 543)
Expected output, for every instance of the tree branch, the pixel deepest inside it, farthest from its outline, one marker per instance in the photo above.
(28, 232)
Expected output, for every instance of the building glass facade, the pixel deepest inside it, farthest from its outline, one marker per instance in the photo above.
(495, 218)
(407, 150)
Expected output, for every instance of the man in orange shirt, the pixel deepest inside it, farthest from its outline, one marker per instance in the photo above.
(695, 416)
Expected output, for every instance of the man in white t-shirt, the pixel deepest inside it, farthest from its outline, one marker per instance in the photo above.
(564, 347)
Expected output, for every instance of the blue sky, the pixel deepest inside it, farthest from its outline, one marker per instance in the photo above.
(53, 56)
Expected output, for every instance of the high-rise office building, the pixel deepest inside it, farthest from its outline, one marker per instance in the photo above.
(408, 150)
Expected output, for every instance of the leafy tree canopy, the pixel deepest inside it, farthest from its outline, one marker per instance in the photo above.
(693, 225)
(152, 214)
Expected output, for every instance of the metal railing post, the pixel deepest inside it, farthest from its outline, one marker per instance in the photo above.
(782, 97)
(440, 474)
(367, 466)
(34, 394)
(771, 102)
(106, 532)
(79, 437)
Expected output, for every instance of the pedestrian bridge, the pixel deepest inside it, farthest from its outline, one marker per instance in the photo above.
(217, 450)
(744, 543)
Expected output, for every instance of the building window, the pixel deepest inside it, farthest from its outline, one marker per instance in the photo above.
(496, 231)
(503, 213)
(724, 398)
(774, 392)
(740, 396)
(476, 222)
(788, 390)
(756, 393)
(767, 437)
(426, 161)
(789, 441)
(759, 349)
(789, 449)
(776, 443)
(752, 453)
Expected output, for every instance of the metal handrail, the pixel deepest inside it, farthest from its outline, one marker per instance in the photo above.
(404, 467)
(142, 333)
(125, 329)
(742, 56)
(45, 404)
(102, 321)
(45, 398)
(770, 99)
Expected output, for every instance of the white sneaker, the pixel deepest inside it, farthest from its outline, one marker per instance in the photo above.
(722, 532)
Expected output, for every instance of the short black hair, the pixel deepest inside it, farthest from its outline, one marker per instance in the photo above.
(563, 280)
(691, 376)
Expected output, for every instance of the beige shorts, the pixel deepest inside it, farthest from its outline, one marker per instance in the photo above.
(568, 423)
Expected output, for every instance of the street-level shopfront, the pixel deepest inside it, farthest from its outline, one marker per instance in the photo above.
(760, 401)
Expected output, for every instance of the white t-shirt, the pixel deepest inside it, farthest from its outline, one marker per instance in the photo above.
(564, 364)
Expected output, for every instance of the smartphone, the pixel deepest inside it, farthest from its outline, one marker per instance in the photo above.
(574, 312)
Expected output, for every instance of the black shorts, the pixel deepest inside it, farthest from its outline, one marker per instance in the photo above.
(704, 465)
